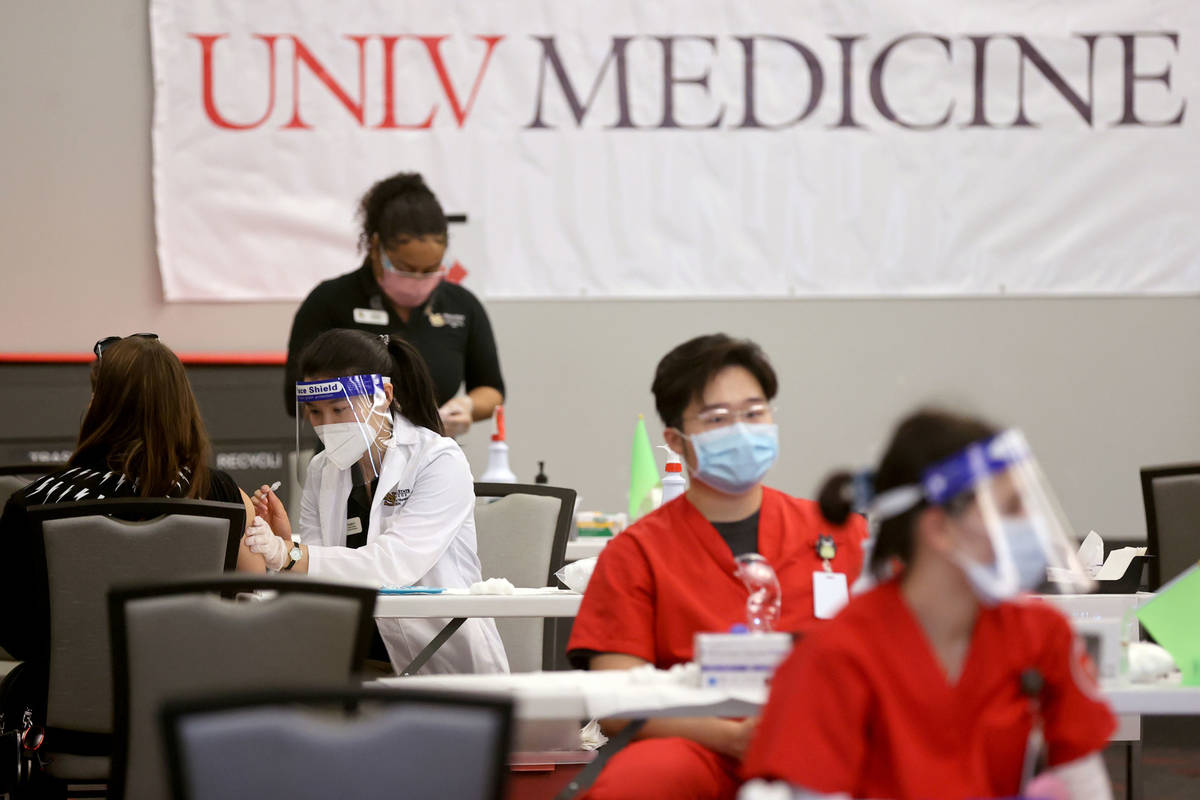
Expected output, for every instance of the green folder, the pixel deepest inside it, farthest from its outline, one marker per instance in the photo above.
(1173, 618)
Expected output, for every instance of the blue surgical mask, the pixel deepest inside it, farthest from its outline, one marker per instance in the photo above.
(1025, 547)
(1026, 556)
(733, 458)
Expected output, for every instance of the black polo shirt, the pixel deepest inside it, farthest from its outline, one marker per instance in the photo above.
(451, 331)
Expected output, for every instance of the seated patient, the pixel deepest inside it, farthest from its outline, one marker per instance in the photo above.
(941, 682)
(142, 436)
(671, 574)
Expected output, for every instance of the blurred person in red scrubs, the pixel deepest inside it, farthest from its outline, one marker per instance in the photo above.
(944, 682)
(672, 573)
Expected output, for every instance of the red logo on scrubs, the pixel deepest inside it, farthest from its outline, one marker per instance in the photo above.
(456, 273)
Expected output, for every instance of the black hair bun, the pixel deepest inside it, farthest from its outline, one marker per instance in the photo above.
(401, 183)
(836, 497)
(400, 204)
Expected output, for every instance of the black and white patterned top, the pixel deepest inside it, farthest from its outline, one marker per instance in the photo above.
(82, 483)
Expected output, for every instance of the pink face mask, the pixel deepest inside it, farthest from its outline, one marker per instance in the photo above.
(407, 289)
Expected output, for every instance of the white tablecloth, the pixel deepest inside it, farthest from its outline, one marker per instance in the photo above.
(524, 603)
(584, 695)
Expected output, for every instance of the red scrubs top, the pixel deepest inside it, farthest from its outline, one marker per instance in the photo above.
(670, 575)
(863, 706)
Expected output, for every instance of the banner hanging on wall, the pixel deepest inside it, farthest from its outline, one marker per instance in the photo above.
(686, 148)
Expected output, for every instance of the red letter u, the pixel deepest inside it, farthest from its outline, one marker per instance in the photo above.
(206, 80)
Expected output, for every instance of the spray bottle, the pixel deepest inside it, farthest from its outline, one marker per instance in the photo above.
(673, 483)
(498, 470)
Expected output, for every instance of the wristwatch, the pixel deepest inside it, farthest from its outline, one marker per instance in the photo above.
(294, 554)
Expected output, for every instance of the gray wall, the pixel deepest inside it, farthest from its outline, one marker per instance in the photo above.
(1102, 386)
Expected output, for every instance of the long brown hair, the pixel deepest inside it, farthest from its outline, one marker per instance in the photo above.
(143, 421)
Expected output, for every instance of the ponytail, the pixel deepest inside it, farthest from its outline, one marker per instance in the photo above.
(836, 498)
(412, 387)
(343, 351)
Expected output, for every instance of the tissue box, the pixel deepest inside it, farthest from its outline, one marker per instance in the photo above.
(739, 660)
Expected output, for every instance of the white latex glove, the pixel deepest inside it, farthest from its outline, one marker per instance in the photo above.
(262, 540)
(456, 415)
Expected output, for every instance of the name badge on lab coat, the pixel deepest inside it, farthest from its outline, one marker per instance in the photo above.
(830, 593)
(353, 526)
(370, 316)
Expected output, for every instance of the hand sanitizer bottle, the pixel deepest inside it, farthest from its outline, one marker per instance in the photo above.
(498, 470)
(673, 483)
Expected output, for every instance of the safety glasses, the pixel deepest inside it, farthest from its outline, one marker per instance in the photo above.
(720, 416)
(99, 347)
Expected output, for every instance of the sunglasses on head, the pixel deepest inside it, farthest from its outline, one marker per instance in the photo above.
(99, 347)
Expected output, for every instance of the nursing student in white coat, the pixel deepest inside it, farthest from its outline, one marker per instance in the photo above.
(390, 501)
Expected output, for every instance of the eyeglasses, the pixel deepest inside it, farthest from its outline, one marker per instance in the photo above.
(99, 347)
(719, 416)
(439, 270)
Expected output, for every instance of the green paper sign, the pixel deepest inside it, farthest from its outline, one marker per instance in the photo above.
(643, 472)
(1173, 618)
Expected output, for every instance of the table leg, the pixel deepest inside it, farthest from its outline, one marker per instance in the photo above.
(588, 775)
(1133, 770)
(431, 648)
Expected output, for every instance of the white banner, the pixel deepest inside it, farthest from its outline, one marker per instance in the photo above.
(686, 148)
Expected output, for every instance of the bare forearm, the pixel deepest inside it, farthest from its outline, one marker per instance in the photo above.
(712, 732)
(726, 736)
(484, 400)
(249, 562)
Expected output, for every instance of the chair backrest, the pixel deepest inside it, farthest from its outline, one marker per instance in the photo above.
(522, 535)
(90, 547)
(528, 528)
(317, 745)
(180, 640)
(1171, 495)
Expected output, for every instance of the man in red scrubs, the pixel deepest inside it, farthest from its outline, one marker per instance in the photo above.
(671, 575)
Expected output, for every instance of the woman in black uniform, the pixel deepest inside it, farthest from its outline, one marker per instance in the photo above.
(399, 290)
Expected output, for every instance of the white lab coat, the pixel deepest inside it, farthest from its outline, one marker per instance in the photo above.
(422, 532)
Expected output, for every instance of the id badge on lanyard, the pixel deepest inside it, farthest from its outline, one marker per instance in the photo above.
(830, 590)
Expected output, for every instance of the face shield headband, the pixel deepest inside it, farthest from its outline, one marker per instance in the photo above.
(345, 442)
(1029, 537)
(943, 481)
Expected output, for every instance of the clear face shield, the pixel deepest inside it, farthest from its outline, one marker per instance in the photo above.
(1014, 535)
(350, 416)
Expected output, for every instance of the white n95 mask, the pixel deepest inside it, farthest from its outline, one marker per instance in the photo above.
(345, 442)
